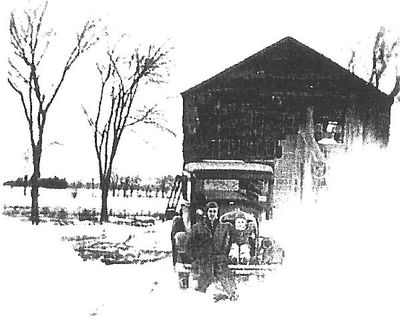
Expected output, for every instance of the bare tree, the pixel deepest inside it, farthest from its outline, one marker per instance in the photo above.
(30, 43)
(121, 78)
(384, 52)
(114, 182)
(135, 183)
(165, 183)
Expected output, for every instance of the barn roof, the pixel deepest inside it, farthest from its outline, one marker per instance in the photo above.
(281, 56)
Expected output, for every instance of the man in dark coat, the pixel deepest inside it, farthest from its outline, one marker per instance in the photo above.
(208, 244)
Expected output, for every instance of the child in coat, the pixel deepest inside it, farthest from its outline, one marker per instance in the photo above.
(243, 246)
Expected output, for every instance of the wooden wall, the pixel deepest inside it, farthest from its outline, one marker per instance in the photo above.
(256, 109)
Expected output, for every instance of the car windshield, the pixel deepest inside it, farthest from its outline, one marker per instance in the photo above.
(246, 189)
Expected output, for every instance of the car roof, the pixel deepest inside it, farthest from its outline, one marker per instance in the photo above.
(227, 165)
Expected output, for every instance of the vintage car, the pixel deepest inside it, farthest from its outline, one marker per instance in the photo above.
(241, 189)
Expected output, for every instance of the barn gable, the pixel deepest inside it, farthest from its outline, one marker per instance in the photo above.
(290, 65)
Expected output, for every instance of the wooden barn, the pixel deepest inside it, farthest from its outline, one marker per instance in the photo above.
(287, 105)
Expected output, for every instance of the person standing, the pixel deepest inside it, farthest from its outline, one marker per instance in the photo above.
(180, 225)
(208, 244)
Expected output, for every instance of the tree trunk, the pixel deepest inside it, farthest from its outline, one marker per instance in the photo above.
(25, 184)
(35, 189)
(104, 196)
(35, 203)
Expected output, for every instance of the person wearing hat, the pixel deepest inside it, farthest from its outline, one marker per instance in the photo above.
(208, 244)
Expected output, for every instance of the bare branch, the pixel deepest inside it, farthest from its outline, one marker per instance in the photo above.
(16, 70)
(47, 35)
(85, 40)
(375, 56)
(18, 41)
(89, 119)
(351, 63)
(160, 126)
(382, 54)
(143, 139)
(21, 97)
(142, 117)
(396, 87)
(39, 25)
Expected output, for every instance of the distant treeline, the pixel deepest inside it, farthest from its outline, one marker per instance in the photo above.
(51, 183)
(126, 185)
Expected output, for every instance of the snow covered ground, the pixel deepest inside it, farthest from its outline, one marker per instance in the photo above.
(43, 278)
(85, 198)
(341, 262)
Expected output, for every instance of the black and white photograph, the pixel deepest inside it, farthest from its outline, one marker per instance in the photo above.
(199, 159)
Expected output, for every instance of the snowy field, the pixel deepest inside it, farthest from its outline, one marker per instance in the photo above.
(85, 198)
(341, 262)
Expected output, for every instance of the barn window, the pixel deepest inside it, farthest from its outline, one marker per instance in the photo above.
(328, 130)
(332, 127)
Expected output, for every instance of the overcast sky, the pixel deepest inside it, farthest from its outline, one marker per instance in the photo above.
(207, 36)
